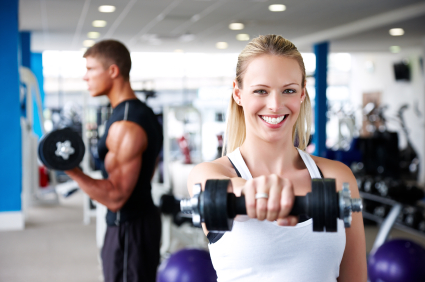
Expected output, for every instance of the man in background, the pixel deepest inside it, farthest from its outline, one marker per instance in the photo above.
(128, 149)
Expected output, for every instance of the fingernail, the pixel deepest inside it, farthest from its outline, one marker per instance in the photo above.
(284, 222)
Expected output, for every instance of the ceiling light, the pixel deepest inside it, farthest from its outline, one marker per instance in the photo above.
(178, 51)
(106, 9)
(277, 8)
(221, 45)
(242, 37)
(395, 49)
(236, 26)
(396, 31)
(93, 34)
(187, 37)
(99, 23)
(88, 43)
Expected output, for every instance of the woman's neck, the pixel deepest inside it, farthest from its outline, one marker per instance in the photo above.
(264, 158)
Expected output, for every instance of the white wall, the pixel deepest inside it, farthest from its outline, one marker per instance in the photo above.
(394, 93)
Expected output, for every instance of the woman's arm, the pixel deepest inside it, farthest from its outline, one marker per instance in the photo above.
(214, 170)
(353, 265)
(280, 191)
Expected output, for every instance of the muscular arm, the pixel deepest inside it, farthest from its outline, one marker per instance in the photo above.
(353, 265)
(126, 142)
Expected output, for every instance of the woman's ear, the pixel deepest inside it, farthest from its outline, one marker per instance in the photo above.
(303, 91)
(236, 93)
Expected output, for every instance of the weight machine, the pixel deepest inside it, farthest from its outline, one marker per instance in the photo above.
(31, 192)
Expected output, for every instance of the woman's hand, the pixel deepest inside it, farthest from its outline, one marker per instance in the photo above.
(278, 204)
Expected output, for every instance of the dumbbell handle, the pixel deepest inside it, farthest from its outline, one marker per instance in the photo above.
(236, 205)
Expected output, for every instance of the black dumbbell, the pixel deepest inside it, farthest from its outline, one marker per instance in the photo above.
(421, 226)
(381, 210)
(412, 216)
(169, 205)
(61, 149)
(217, 208)
(369, 185)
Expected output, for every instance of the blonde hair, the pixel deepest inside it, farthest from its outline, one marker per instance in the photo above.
(274, 45)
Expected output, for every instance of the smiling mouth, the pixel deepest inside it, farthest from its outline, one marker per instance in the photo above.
(274, 120)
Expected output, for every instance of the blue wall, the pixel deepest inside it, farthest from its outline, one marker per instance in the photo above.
(10, 129)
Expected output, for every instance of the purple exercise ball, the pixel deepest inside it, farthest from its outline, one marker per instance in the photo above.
(397, 261)
(187, 265)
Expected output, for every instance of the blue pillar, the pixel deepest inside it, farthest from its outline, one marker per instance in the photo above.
(10, 129)
(37, 69)
(25, 37)
(321, 50)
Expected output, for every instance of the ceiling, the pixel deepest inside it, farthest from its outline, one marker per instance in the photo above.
(196, 25)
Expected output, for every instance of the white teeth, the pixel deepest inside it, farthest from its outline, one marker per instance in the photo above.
(273, 120)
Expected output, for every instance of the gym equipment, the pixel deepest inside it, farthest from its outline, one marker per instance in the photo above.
(412, 216)
(61, 149)
(187, 265)
(409, 159)
(369, 185)
(31, 105)
(217, 208)
(397, 261)
(381, 210)
(169, 205)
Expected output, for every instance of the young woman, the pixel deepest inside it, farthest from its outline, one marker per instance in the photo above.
(269, 112)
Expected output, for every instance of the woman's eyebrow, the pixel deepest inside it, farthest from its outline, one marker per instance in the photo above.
(286, 85)
(264, 85)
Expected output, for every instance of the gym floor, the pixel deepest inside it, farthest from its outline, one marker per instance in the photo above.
(57, 246)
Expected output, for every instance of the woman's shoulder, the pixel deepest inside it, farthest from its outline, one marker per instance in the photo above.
(333, 169)
(218, 167)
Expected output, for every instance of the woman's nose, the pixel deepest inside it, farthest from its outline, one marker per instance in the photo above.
(274, 101)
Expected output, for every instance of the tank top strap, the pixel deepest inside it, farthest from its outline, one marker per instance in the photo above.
(310, 164)
(241, 167)
(239, 164)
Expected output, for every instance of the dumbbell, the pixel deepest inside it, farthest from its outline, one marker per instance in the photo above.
(61, 149)
(217, 208)
(169, 205)
(412, 216)
(369, 185)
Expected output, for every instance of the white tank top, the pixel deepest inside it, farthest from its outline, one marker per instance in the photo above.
(257, 251)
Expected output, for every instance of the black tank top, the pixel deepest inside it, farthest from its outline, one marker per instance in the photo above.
(140, 200)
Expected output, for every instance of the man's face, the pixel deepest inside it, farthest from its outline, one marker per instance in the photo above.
(98, 78)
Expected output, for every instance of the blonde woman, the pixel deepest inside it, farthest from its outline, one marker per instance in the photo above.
(269, 112)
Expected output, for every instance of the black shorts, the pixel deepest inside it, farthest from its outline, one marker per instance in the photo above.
(130, 251)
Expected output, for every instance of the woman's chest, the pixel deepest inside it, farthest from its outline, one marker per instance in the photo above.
(301, 181)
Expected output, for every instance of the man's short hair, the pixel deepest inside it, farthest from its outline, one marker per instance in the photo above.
(110, 52)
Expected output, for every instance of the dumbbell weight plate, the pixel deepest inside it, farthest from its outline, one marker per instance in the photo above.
(49, 145)
(324, 205)
(215, 205)
(331, 205)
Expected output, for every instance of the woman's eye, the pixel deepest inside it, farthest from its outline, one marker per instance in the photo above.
(289, 91)
(260, 91)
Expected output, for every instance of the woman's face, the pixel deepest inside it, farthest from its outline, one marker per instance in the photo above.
(271, 96)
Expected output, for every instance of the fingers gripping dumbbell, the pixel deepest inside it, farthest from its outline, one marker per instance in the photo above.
(61, 149)
(217, 208)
